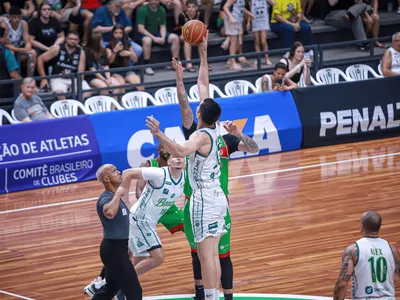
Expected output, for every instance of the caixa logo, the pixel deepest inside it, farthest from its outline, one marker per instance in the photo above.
(142, 144)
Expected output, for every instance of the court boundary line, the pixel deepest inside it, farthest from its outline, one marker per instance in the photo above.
(254, 295)
(230, 178)
(6, 183)
(15, 295)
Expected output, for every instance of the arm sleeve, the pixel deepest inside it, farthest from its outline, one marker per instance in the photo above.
(276, 9)
(42, 104)
(188, 132)
(103, 201)
(232, 142)
(164, 16)
(19, 111)
(125, 20)
(97, 18)
(156, 176)
(32, 26)
(57, 26)
(141, 15)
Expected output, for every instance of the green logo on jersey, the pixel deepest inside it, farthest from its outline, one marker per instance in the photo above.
(369, 290)
(213, 226)
(165, 191)
(173, 195)
(164, 202)
(139, 243)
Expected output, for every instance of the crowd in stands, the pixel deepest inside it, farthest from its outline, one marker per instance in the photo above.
(40, 38)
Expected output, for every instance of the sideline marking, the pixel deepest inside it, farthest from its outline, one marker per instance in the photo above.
(230, 178)
(15, 295)
(243, 296)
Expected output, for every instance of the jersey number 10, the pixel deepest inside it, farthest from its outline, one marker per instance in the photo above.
(378, 269)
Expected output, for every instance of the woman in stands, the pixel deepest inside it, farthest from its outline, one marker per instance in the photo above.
(277, 81)
(370, 19)
(298, 64)
(96, 60)
(120, 54)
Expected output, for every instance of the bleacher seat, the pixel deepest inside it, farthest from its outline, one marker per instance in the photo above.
(137, 99)
(66, 108)
(360, 72)
(331, 76)
(97, 104)
(6, 115)
(239, 88)
(213, 91)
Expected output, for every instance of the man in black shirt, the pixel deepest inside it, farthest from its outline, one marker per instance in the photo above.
(113, 211)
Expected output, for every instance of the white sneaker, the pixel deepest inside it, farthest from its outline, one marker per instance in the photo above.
(94, 286)
(149, 71)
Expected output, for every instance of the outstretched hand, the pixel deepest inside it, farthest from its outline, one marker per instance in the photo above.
(153, 124)
(231, 127)
(203, 46)
(178, 68)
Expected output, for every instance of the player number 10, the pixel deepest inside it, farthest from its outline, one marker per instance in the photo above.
(378, 269)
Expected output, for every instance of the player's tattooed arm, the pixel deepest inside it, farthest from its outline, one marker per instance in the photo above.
(349, 259)
(396, 255)
(140, 184)
(246, 144)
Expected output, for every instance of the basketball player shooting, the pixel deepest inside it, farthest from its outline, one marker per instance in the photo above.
(208, 204)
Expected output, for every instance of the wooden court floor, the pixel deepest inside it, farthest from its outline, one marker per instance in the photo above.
(293, 213)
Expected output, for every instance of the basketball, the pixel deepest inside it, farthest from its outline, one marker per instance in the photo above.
(194, 31)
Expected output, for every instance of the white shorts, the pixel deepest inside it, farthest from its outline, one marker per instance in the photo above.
(208, 208)
(233, 28)
(142, 237)
(64, 85)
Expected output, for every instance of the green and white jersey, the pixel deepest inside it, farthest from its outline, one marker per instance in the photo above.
(374, 270)
(204, 171)
(160, 193)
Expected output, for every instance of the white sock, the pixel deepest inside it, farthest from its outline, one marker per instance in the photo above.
(216, 294)
(209, 294)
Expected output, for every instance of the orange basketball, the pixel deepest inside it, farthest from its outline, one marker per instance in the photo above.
(194, 31)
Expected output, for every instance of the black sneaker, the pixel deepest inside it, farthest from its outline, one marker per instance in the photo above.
(363, 47)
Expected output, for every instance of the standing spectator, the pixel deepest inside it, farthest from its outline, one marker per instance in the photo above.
(151, 23)
(260, 25)
(29, 107)
(287, 20)
(109, 15)
(298, 64)
(67, 58)
(27, 7)
(18, 39)
(45, 31)
(277, 81)
(8, 64)
(96, 60)
(120, 54)
(391, 58)
(192, 13)
(371, 20)
(344, 15)
(233, 22)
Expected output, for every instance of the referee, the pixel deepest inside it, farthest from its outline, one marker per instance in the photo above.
(114, 216)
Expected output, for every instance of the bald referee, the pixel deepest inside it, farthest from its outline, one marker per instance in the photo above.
(113, 211)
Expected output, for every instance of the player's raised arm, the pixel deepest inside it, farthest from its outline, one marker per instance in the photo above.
(140, 184)
(203, 79)
(186, 111)
(348, 260)
(246, 144)
(196, 141)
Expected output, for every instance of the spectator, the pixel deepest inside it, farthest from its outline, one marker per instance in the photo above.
(233, 23)
(67, 58)
(29, 107)
(391, 58)
(91, 5)
(277, 81)
(96, 60)
(344, 15)
(27, 7)
(260, 25)
(109, 15)
(287, 20)
(151, 23)
(120, 54)
(45, 31)
(297, 64)
(208, 11)
(18, 39)
(306, 6)
(130, 7)
(192, 13)
(176, 6)
(8, 64)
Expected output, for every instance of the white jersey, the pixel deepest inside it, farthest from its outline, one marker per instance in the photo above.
(395, 67)
(374, 270)
(259, 8)
(15, 36)
(204, 171)
(159, 194)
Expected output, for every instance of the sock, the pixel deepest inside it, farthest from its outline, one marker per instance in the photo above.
(199, 292)
(216, 294)
(228, 296)
(209, 294)
(146, 61)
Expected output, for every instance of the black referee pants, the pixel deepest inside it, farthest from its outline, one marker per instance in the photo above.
(120, 273)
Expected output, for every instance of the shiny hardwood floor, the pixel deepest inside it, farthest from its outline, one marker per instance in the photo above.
(293, 213)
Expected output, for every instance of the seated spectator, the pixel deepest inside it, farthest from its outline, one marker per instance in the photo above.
(233, 23)
(29, 107)
(297, 64)
(109, 15)
(96, 60)
(91, 5)
(8, 64)
(45, 31)
(192, 13)
(66, 58)
(391, 58)
(130, 7)
(19, 41)
(176, 6)
(260, 26)
(277, 81)
(344, 14)
(151, 26)
(120, 54)
(287, 20)
(370, 19)
(27, 7)
(307, 6)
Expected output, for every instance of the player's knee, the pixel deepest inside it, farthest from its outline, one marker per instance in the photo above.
(158, 257)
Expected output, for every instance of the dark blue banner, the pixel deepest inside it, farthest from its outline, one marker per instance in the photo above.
(47, 153)
(270, 118)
